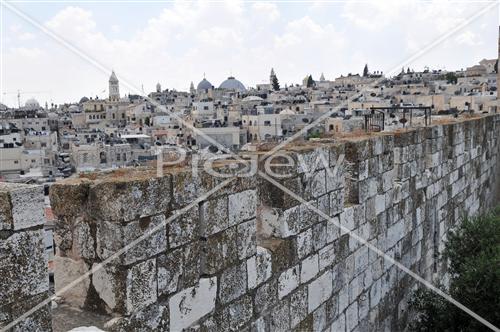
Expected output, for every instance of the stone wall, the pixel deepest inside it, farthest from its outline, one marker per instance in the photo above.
(24, 278)
(251, 257)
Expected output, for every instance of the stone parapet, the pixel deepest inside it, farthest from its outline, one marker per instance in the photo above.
(251, 257)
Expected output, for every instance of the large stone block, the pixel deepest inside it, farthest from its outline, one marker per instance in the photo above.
(191, 304)
(126, 290)
(185, 227)
(134, 241)
(233, 283)
(72, 280)
(129, 199)
(21, 206)
(319, 290)
(259, 267)
(288, 281)
(247, 238)
(214, 215)
(242, 206)
(23, 268)
(220, 251)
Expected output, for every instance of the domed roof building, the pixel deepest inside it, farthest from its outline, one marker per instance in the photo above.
(232, 84)
(31, 104)
(204, 85)
(83, 100)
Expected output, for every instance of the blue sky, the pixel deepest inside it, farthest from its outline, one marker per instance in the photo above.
(174, 43)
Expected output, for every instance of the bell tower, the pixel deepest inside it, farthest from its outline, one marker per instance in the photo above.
(114, 87)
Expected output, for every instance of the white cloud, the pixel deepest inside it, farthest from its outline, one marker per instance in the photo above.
(267, 10)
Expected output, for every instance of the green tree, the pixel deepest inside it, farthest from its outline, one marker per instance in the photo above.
(310, 82)
(275, 83)
(365, 71)
(451, 78)
(472, 255)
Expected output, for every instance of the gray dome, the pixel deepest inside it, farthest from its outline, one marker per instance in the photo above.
(232, 84)
(32, 103)
(204, 85)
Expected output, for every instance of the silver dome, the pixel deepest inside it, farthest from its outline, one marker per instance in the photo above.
(204, 85)
(232, 84)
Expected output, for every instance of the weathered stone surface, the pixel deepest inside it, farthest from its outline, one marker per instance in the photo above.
(117, 200)
(184, 228)
(259, 267)
(21, 206)
(135, 241)
(242, 206)
(71, 278)
(247, 238)
(288, 281)
(236, 315)
(274, 264)
(154, 317)
(319, 290)
(23, 270)
(309, 268)
(191, 304)
(220, 251)
(141, 281)
(298, 306)
(170, 268)
(214, 215)
(233, 283)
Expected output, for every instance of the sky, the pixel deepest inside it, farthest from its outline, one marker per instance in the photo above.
(59, 51)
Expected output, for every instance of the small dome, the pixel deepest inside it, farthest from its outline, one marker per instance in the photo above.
(204, 85)
(83, 100)
(32, 103)
(232, 84)
(73, 109)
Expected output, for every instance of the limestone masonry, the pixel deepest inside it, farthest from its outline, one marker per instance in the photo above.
(249, 257)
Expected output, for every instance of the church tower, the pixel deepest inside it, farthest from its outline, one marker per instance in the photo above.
(114, 87)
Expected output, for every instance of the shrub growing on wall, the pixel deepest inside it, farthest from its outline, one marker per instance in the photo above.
(472, 254)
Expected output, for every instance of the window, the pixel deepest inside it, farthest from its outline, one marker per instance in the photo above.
(267, 123)
(118, 157)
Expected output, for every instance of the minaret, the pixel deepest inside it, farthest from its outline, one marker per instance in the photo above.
(158, 87)
(191, 88)
(114, 87)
